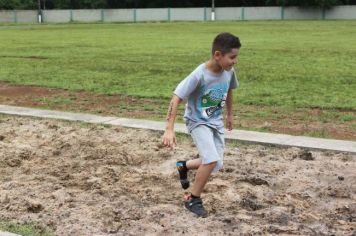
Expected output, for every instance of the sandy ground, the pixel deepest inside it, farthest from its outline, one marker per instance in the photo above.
(80, 179)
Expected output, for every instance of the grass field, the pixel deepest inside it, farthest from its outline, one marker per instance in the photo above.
(24, 229)
(291, 64)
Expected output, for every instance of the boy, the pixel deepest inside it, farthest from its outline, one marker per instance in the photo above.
(207, 89)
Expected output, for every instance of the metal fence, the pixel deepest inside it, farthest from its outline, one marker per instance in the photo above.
(179, 14)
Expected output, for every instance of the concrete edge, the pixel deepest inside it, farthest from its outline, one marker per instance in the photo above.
(282, 140)
(5, 233)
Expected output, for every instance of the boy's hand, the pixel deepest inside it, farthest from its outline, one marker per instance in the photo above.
(229, 122)
(169, 139)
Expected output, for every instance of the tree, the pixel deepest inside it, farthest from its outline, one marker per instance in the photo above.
(9, 4)
(18, 4)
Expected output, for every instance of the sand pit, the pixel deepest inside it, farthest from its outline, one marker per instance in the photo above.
(80, 179)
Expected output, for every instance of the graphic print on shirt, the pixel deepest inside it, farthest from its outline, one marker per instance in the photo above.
(213, 101)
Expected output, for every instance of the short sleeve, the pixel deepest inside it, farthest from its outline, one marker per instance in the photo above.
(234, 83)
(188, 85)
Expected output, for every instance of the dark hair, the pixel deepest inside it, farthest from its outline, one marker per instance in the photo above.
(224, 42)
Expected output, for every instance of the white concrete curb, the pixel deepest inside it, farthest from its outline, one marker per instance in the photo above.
(240, 135)
(4, 233)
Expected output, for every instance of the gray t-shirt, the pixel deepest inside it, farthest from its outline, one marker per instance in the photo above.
(206, 94)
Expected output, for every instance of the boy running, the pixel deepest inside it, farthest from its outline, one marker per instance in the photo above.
(207, 90)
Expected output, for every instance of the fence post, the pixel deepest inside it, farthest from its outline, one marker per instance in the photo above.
(282, 12)
(169, 14)
(102, 15)
(242, 13)
(323, 13)
(205, 14)
(135, 15)
(71, 15)
(15, 15)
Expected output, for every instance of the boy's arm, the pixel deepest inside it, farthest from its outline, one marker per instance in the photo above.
(229, 115)
(169, 138)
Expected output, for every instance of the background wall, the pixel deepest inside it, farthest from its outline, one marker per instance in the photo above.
(342, 12)
(190, 14)
(263, 13)
(296, 13)
(229, 13)
(7, 16)
(119, 15)
(179, 14)
(153, 14)
(57, 16)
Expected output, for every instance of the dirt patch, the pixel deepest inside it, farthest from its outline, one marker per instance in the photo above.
(79, 101)
(80, 179)
(309, 122)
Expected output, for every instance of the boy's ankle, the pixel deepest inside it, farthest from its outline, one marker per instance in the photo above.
(190, 196)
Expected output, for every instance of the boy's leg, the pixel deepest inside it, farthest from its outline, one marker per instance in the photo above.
(203, 137)
(193, 164)
(196, 163)
(201, 178)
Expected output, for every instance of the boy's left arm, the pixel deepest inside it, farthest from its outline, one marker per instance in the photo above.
(229, 115)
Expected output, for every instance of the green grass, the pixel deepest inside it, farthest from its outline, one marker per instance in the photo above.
(353, 127)
(23, 229)
(322, 133)
(294, 64)
(348, 117)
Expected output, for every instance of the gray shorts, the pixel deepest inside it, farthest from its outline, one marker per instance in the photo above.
(210, 144)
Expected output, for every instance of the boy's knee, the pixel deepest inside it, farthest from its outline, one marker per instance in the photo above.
(216, 165)
(211, 164)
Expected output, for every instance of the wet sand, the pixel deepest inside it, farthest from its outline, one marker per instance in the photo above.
(81, 179)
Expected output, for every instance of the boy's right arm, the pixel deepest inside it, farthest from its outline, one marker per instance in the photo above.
(169, 139)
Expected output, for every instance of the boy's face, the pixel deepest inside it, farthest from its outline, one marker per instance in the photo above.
(227, 60)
